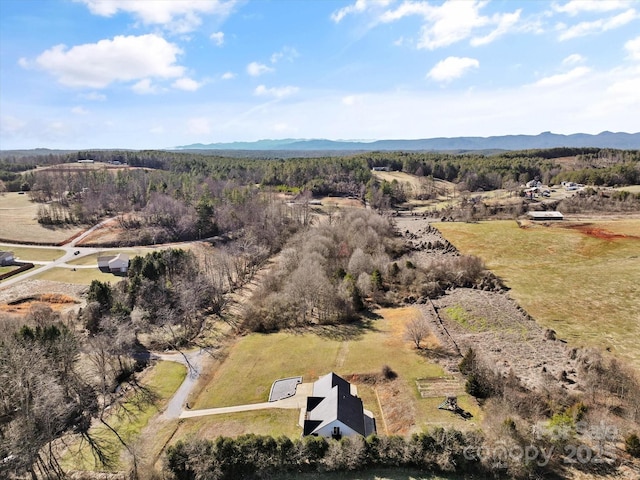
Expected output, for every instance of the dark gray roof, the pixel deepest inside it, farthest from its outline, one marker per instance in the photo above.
(332, 400)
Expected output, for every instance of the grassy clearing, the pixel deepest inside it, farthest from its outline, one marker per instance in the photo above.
(274, 422)
(568, 276)
(630, 188)
(82, 276)
(18, 222)
(163, 380)
(256, 360)
(35, 254)
(8, 269)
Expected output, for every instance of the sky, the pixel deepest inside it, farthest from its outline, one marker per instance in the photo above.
(79, 74)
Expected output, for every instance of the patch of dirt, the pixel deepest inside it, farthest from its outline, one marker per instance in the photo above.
(54, 293)
(57, 301)
(601, 233)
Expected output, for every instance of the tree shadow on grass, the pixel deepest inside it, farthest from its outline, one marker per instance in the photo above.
(347, 331)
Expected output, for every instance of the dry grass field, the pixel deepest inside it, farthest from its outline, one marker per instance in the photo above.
(81, 276)
(18, 222)
(33, 254)
(581, 279)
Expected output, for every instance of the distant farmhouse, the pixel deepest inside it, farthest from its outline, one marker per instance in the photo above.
(545, 216)
(333, 411)
(6, 258)
(117, 264)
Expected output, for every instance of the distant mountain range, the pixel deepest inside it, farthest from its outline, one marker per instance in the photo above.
(618, 140)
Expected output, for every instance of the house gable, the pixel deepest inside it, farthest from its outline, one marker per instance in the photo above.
(333, 411)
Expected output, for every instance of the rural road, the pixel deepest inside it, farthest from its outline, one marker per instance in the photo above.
(69, 254)
(194, 362)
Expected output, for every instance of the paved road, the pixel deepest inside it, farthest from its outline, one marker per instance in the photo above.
(69, 254)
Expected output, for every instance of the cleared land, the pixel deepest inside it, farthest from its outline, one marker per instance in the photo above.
(81, 276)
(18, 222)
(34, 254)
(582, 279)
(357, 352)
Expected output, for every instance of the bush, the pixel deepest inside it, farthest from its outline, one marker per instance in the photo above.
(632, 445)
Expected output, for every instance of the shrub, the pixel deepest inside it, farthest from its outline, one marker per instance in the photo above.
(632, 445)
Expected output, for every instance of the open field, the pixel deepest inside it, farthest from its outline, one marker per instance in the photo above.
(34, 254)
(579, 278)
(352, 351)
(163, 379)
(630, 188)
(81, 276)
(18, 222)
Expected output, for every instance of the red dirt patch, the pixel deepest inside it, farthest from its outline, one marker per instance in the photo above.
(596, 232)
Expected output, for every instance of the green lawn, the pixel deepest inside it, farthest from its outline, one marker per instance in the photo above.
(82, 276)
(584, 287)
(163, 380)
(38, 254)
(256, 360)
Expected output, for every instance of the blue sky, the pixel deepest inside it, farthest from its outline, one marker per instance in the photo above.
(162, 73)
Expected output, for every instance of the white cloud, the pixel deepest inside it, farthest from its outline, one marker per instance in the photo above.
(598, 26)
(451, 68)
(575, 7)
(360, 6)
(180, 16)
(633, 47)
(228, 76)
(350, 100)
(505, 22)
(145, 87)
(277, 92)
(563, 78)
(453, 21)
(255, 69)
(218, 38)
(287, 53)
(573, 59)
(123, 59)
(186, 84)
(79, 110)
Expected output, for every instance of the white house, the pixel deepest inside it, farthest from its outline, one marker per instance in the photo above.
(333, 411)
(114, 263)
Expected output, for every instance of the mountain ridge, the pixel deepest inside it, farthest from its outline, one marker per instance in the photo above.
(606, 139)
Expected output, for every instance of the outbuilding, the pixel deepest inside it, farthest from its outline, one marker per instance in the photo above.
(541, 216)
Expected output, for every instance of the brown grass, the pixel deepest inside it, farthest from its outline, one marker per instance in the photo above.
(18, 222)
